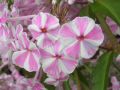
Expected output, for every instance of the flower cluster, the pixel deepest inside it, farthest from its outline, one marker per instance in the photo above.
(33, 38)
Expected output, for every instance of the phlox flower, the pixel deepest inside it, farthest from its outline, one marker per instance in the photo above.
(81, 37)
(54, 61)
(28, 57)
(44, 29)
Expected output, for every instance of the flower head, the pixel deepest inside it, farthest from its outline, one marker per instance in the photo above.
(54, 61)
(28, 57)
(81, 37)
(44, 29)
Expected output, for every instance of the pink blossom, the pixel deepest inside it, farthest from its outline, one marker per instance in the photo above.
(115, 83)
(81, 37)
(44, 29)
(113, 26)
(54, 61)
(28, 57)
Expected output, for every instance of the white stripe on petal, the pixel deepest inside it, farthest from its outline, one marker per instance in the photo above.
(34, 27)
(47, 62)
(87, 50)
(37, 58)
(43, 19)
(52, 37)
(83, 50)
(53, 26)
(40, 40)
(32, 46)
(66, 41)
(50, 50)
(90, 26)
(26, 64)
(62, 67)
(94, 42)
(74, 28)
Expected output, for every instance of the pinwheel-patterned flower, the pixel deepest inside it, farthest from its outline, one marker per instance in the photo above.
(54, 61)
(44, 29)
(81, 37)
(27, 58)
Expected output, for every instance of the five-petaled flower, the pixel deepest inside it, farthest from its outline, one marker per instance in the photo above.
(54, 61)
(44, 29)
(81, 37)
(29, 56)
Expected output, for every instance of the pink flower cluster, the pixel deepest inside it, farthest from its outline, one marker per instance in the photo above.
(40, 41)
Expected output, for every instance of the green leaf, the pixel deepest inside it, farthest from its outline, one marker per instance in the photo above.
(87, 11)
(108, 7)
(82, 78)
(101, 71)
(67, 85)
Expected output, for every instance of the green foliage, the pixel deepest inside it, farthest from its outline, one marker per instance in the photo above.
(107, 7)
(67, 85)
(101, 71)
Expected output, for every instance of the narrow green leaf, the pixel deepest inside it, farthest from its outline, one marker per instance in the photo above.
(108, 7)
(101, 71)
(67, 85)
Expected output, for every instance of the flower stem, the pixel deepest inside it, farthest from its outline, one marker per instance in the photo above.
(38, 75)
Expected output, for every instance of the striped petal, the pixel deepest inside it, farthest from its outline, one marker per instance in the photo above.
(67, 65)
(27, 60)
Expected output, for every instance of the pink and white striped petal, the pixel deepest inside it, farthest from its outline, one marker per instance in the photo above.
(98, 36)
(67, 65)
(27, 60)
